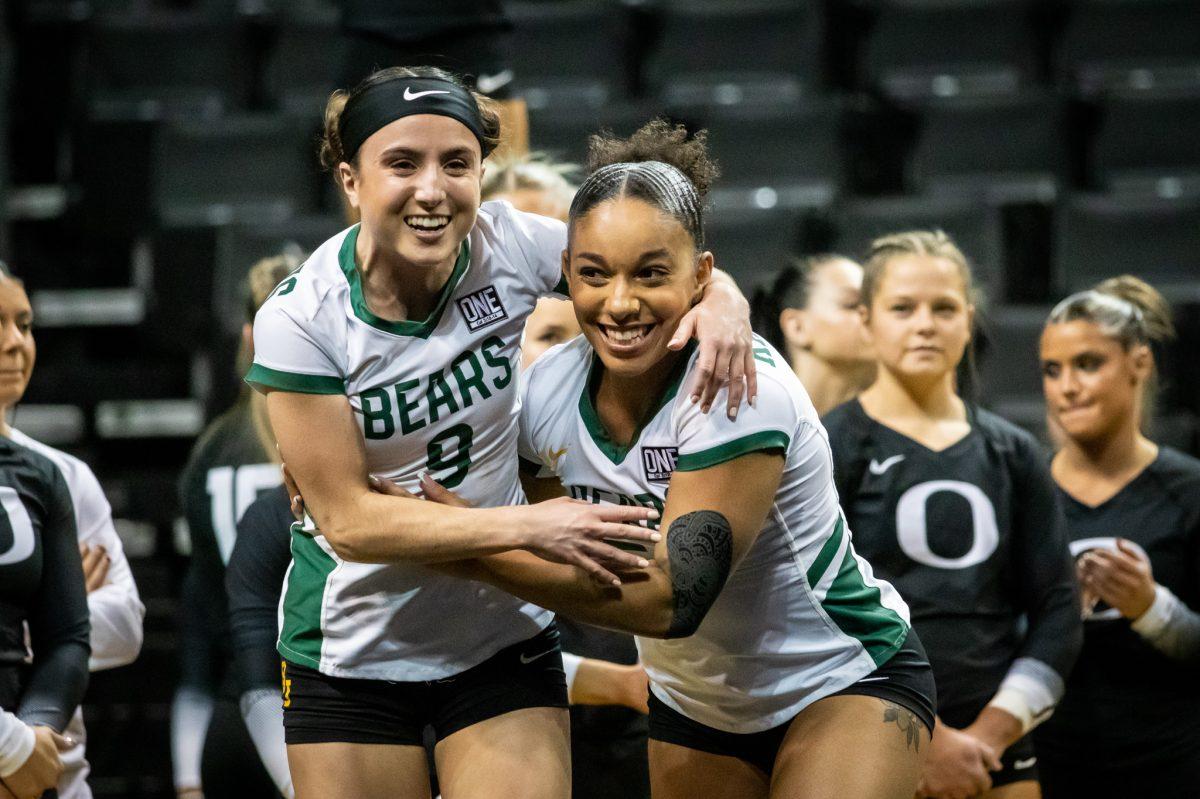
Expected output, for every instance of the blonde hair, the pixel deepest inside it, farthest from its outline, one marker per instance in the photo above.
(261, 281)
(1128, 310)
(931, 243)
(532, 171)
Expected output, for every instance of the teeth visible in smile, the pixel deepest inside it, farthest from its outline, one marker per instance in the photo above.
(427, 222)
(628, 335)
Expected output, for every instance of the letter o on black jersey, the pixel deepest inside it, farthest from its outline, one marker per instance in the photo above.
(21, 526)
(912, 531)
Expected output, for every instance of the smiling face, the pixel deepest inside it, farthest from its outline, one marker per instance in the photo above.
(1092, 384)
(633, 272)
(17, 350)
(416, 187)
(920, 318)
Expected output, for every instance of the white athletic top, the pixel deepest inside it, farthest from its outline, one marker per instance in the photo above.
(115, 609)
(801, 616)
(438, 395)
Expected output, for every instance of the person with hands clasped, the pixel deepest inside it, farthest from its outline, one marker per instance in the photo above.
(1129, 723)
(43, 607)
(394, 350)
(954, 506)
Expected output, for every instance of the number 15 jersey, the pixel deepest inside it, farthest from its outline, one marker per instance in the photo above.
(437, 395)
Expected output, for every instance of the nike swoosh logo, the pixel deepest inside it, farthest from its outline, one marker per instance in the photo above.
(525, 661)
(1020, 764)
(872, 679)
(409, 94)
(879, 468)
(489, 83)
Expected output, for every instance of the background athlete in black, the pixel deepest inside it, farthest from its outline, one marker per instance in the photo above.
(229, 466)
(41, 576)
(1129, 724)
(955, 508)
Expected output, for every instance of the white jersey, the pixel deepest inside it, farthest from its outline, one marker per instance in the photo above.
(437, 395)
(801, 616)
(114, 609)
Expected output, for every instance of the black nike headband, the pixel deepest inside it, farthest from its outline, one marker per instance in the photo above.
(384, 103)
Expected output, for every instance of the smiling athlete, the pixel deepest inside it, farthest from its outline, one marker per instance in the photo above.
(393, 350)
(781, 651)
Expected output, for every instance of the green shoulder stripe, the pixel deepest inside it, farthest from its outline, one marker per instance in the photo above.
(261, 377)
(755, 442)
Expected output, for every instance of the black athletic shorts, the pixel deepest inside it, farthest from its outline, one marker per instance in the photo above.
(323, 709)
(906, 680)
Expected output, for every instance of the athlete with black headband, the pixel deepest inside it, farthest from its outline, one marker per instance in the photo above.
(772, 651)
(393, 351)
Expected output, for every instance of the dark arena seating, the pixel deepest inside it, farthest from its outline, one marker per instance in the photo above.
(152, 150)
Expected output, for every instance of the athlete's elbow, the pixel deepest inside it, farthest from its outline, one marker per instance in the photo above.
(346, 542)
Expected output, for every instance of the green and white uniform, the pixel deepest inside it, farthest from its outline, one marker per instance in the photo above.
(801, 616)
(437, 395)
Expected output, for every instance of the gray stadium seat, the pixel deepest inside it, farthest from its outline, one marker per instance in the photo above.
(569, 53)
(937, 48)
(1131, 43)
(757, 146)
(720, 52)
(563, 131)
(183, 63)
(1012, 145)
(1157, 239)
(752, 244)
(975, 226)
(1008, 363)
(303, 62)
(1149, 141)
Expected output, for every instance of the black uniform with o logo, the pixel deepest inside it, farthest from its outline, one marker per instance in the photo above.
(973, 539)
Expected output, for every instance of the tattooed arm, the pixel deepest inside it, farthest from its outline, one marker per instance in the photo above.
(712, 516)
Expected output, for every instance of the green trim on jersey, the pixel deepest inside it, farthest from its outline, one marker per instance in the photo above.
(301, 637)
(266, 377)
(406, 328)
(755, 442)
(591, 420)
(855, 607)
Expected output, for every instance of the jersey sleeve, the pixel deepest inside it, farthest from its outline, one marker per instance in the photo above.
(58, 623)
(710, 439)
(254, 582)
(847, 443)
(1046, 589)
(541, 240)
(531, 424)
(115, 608)
(292, 352)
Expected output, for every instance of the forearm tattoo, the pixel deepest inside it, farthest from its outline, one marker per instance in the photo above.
(907, 721)
(700, 551)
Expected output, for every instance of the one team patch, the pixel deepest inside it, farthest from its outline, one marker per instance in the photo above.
(482, 308)
(659, 463)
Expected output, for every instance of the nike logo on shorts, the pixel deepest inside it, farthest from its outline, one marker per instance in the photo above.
(1024, 764)
(409, 94)
(879, 468)
(526, 660)
(873, 679)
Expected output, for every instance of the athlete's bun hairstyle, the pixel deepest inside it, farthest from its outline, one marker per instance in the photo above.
(657, 140)
(333, 152)
(1157, 323)
(660, 164)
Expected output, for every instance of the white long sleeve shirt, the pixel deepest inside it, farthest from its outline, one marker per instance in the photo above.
(115, 608)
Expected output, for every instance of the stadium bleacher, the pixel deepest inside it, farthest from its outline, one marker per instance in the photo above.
(168, 144)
